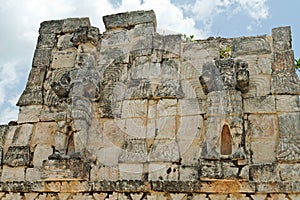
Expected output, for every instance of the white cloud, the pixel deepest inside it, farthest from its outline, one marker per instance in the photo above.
(256, 9)
(8, 114)
(206, 10)
(8, 77)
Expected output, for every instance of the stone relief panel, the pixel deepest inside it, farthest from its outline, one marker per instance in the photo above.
(146, 102)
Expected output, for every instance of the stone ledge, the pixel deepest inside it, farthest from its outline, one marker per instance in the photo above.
(129, 19)
(213, 186)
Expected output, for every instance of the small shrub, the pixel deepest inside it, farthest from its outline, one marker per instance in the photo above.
(225, 52)
(297, 64)
(187, 38)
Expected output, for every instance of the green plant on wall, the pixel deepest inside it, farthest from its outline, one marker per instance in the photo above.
(225, 52)
(297, 64)
(187, 38)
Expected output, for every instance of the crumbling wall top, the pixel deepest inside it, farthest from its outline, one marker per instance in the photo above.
(129, 19)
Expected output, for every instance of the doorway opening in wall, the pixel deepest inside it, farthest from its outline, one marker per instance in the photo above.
(226, 141)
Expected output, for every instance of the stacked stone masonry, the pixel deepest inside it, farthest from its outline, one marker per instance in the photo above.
(132, 114)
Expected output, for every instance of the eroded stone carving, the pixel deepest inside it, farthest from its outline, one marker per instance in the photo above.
(130, 113)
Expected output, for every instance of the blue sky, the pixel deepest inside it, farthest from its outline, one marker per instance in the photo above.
(19, 21)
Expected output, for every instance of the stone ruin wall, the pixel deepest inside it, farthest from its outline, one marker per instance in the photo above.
(132, 114)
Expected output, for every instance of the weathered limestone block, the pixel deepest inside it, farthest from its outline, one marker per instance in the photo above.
(166, 107)
(33, 174)
(48, 115)
(131, 171)
(93, 35)
(17, 156)
(265, 104)
(285, 83)
(71, 24)
(200, 51)
(52, 26)
(65, 42)
(46, 40)
(169, 69)
(109, 55)
(190, 152)
(22, 135)
(10, 174)
(134, 150)
(129, 19)
(263, 126)
(259, 85)
(219, 169)
(165, 127)
(140, 68)
(251, 45)
(43, 133)
(136, 88)
(31, 97)
(190, 71)
(287, 103)
(165, 171)
(142, 46)
(103, 173)
(42, 57)
(282, 38)
(65, 169)
(9, 138)
(140, 31)
(264, 172)
(283, 62)
(36, 78)
(3, 132)
(211, 79)
(114, 132)
(85, 60)
(165, 150)
(109, 155)
(189, 107)
(83, 35)
(135, 128)
(289, 172)
(172, 46)
(64, 58)
(115, 37)
(187, 173)
(288, 146)
(134, 108)
(189, 127)
(41, 153)
(263, 150)
(169, 88)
